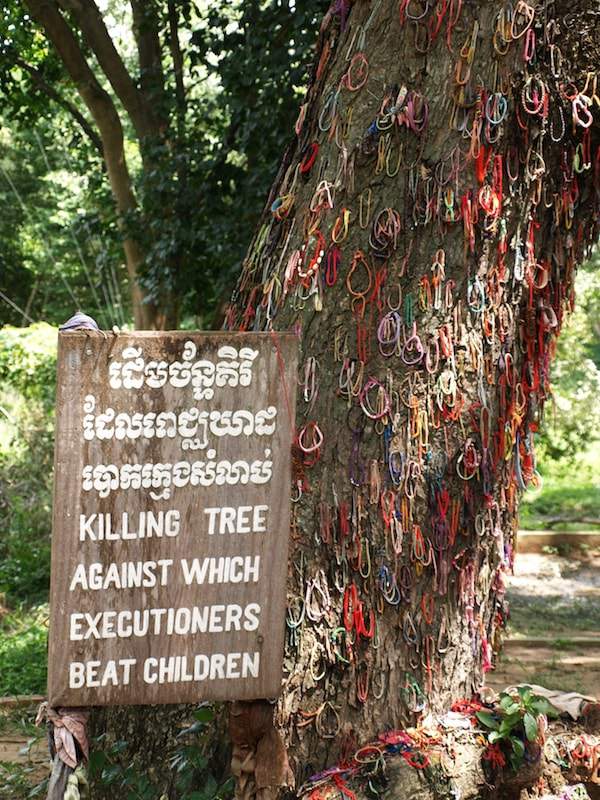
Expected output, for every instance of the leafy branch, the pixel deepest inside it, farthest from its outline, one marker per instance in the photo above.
(517, 721)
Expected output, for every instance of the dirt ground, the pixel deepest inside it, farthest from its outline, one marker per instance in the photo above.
(554, 633)
(16, 749)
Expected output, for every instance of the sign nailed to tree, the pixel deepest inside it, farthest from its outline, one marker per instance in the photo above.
(171, 516)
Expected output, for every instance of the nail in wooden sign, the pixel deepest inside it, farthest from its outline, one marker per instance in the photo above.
(171, 516)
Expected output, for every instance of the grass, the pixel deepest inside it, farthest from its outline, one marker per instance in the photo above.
(20, 721)
(23, 646)
(571, 491)
(551, 674)
(20, 781)
(535, 616)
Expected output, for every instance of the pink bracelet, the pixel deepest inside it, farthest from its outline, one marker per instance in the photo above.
(363, 399)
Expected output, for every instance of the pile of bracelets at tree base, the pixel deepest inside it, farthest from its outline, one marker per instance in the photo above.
(421, 238)
(447, 754)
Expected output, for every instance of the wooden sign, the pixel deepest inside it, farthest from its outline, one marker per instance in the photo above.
(171, 516)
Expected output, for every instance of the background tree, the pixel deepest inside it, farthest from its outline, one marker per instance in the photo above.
(422, 236)
(175, 112)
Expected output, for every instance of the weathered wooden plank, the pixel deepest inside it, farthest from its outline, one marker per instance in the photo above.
(172, 470)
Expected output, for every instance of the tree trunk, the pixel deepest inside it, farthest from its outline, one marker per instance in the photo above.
(107, 120)
(422, 237)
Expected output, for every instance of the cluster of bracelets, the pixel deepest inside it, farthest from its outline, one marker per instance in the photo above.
(424, 251)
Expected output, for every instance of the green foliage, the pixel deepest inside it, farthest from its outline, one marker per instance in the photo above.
(23, 641)
(50, 261)
(257, 54)
(572, 423)
(567, 449)
(570, 494)
(110, 767)
(23, 780)
(27, 378)
(52, 189)
(515, 722)
(15, 782)
(28, 361)
(200, 189)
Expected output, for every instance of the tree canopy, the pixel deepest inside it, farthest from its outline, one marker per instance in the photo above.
(204, 94)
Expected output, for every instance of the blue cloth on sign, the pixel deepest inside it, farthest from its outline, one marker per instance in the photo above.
(79, 321)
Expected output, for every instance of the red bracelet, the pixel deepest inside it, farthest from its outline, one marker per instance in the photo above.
(310, 154)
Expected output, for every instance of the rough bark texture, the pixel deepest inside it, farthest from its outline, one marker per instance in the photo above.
(422, 237)
(146, 31)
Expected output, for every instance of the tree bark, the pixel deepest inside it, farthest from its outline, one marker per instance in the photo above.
(96, 35)
(422, 237)
(105, 116)
(177, 59)
(152, 78)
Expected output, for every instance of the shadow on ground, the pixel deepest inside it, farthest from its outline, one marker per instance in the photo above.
(554, 633)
